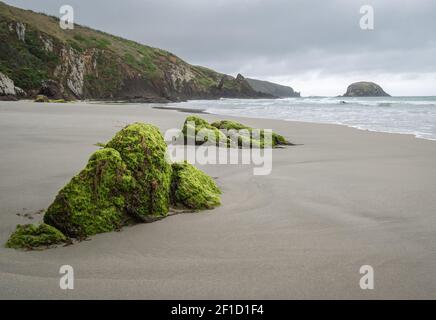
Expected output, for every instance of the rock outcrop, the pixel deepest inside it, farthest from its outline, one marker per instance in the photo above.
(238, 87)
(51, 89)
(365, 89)
(273, 89)
(8, 90)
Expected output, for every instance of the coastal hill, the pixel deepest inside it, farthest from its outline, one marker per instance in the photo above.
(38, 57)
(274, 89)
(365, 89)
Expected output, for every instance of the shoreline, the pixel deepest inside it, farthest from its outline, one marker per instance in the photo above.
(343, 198)
(205, 111)
(161, 106)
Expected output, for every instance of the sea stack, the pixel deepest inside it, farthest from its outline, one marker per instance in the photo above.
(365, 89)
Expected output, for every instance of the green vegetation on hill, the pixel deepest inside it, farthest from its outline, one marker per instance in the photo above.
(90, 64)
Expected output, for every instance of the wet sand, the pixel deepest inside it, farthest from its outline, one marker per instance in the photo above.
(342, 199)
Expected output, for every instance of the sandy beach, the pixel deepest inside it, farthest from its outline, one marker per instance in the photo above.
(341, 199)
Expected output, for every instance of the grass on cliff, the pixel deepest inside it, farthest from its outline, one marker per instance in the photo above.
(28, 63)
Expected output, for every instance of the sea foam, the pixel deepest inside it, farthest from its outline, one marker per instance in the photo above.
(405, 115)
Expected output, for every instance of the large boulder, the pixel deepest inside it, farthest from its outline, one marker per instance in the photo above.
(143, 150)
(94, 201)
(365, 89)
(191, 188)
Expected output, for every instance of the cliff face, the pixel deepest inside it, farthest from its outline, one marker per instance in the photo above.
(365, 89)
(273, 89)
(89, 64)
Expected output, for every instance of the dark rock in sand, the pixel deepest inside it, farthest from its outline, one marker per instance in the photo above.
(51, 89)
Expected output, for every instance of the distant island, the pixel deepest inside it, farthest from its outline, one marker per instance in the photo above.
(365, 89)
(38, 58)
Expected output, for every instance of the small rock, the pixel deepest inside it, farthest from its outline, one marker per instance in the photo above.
(41, 98)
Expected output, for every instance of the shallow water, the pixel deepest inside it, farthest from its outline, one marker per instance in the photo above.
(407, 115)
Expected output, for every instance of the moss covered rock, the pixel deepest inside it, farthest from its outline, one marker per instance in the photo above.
(31, 236)
(192, 188)
(143, 150)
(128, 180)
(249, 139)
(94, 201)
(193, 125)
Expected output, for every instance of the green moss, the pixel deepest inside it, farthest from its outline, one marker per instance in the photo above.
(229, 138)
(143, 149)
(206, 129)
(102, 43)
(31, 236)
(192, 188)
(41, 98)
(94, 200)
(256, 142)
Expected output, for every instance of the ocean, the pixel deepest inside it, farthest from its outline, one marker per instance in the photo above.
(406, 115)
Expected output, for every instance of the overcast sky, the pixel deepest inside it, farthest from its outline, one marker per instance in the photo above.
(316, 46)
